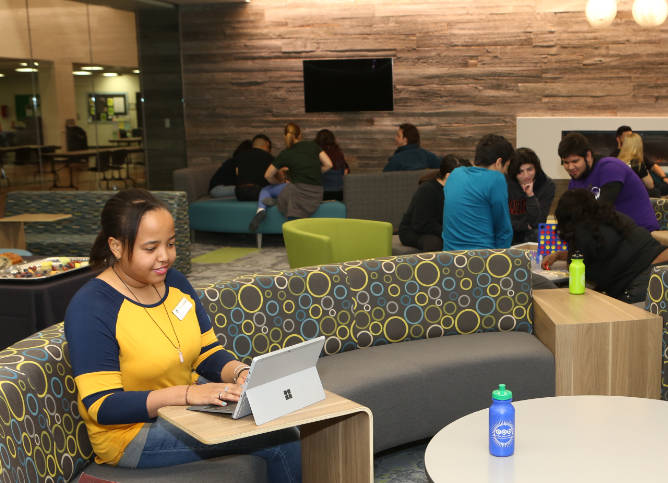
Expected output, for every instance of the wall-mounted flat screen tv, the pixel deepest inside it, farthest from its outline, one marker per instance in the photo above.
(348, 85)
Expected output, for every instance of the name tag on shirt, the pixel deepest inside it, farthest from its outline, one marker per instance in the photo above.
(181, 310)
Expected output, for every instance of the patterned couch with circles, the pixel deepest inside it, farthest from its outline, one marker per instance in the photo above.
(419, 339)
(390, 326)
(657, 303)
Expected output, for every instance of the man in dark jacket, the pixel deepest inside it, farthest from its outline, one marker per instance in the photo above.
(422, 224)
(409, 155)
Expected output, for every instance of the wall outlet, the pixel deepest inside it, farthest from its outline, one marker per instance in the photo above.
(167, 123)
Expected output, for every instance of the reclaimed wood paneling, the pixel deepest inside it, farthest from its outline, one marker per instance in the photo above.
(461, 69)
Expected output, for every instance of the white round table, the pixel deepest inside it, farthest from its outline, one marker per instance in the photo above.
(559, 439)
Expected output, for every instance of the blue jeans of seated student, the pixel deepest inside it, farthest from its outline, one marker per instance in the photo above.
(269, 191)
(166, 445)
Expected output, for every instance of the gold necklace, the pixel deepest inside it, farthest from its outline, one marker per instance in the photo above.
(178, 348)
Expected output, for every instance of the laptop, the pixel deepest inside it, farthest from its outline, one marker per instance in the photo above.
(277, 384)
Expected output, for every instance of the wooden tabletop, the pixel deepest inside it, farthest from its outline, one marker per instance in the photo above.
(35, 217)
(218, 428)
(592, 307)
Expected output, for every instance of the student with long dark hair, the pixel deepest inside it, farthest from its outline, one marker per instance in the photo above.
(530, 194)
(618, 254)
(138, 339)
(332, 180)
(422, 224)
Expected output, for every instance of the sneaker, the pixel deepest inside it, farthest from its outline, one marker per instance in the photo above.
(257, 219)
(269, 201)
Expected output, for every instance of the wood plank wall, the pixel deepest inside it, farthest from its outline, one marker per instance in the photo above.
(462, 68)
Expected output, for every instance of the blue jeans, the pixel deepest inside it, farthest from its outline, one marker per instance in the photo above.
(269, 191)
(167, 445)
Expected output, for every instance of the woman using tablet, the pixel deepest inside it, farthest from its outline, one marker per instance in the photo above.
(138, 339)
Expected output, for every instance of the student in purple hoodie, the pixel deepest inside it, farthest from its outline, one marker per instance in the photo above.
(609, 179)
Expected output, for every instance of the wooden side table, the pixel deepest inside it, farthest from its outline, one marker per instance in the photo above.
(336, 435)
(12, 234)
(600, 345)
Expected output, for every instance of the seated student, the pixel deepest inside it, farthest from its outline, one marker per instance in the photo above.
(476, 213)
(249, 166)
(137, 334)
(332, 180)
(610, 180)
(618, 254)
(632, 153)
(409, 155)
(422, 224)
(530, 195)
(655, 171)
(223, 181)
(305, 162)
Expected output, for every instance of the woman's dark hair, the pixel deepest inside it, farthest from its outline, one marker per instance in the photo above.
(448, 163)
(578, 207)
(120, 219)
(326, 140)
(526, 156)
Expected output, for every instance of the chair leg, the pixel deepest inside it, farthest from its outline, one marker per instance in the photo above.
(258, 238)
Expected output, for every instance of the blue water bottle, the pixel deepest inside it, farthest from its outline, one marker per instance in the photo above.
(502, 423)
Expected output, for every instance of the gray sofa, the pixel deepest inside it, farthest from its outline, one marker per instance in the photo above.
(381, 196)
(367, 196)
(419, 339)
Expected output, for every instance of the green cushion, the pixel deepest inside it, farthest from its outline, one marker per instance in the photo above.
(319, 241)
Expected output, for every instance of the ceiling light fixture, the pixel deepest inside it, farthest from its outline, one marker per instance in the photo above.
(110, 74)
(649, 13)
(2, 75)
(135, 71)
(81, 72)
(601, 13)
(26, 69)
(92, 67)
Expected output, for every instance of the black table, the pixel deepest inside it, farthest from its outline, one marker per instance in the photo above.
(29, 306)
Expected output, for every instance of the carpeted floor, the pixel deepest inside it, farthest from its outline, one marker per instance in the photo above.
(219, 257)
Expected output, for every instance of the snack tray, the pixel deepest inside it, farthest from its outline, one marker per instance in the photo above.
(37, 270)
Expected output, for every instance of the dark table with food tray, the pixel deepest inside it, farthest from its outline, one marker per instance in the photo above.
(35, 294)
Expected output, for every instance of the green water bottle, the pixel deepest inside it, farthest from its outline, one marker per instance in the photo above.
(576, 274)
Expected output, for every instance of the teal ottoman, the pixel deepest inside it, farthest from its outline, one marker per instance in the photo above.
(232, 216)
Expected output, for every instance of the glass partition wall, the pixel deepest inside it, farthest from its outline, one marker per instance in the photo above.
(70, 109)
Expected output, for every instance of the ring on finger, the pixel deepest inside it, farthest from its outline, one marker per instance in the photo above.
(226, 388)
(220, 395)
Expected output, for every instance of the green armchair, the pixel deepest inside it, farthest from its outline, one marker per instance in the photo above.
(319, 241)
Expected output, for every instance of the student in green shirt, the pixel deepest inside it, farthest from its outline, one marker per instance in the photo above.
(302, 163)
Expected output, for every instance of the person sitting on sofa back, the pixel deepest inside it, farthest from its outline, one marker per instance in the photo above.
(304, 161)
(137, 333)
